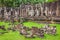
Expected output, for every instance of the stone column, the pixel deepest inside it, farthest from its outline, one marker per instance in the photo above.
(57, 10)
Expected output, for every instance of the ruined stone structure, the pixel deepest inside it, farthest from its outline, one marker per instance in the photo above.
(47, 11)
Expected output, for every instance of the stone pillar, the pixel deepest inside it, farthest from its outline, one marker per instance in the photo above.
(41, 11)
(57, 10)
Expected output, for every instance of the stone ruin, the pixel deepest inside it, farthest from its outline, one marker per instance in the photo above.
(47, 11)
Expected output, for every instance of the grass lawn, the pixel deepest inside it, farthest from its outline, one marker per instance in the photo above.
(16, 36)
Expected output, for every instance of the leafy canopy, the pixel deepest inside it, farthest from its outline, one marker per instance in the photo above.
(16, 3)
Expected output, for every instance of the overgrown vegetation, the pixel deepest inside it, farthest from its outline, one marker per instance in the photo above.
(16, 3)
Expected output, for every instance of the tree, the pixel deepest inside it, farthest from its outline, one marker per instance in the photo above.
(17, 3)
(10, 3)
(2, 3)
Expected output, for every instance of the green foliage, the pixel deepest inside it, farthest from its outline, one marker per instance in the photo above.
(12, 3)
(50, 1)
(1, 2)
(16, 3)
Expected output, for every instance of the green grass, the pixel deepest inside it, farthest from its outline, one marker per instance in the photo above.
(16, 36)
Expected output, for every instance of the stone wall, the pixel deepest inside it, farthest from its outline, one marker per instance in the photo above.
(28, 11)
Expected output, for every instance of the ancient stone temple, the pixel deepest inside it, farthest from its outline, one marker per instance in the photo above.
(44, 11)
